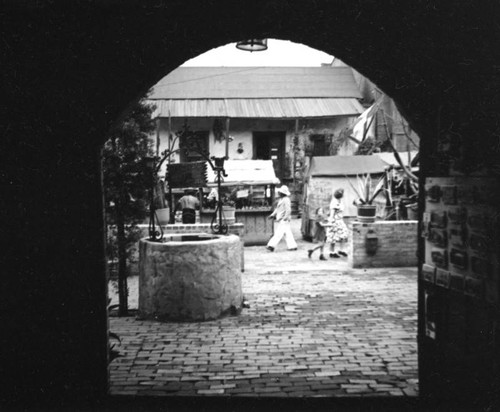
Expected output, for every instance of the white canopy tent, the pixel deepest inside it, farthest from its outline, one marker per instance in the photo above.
(245, 172)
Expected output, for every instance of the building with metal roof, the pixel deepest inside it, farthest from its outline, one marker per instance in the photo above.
(269, 113)
(256, 82)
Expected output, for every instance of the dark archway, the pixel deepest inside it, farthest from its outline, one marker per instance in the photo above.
(69, 72)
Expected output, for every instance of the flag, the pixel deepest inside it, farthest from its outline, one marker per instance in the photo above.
(362, 125)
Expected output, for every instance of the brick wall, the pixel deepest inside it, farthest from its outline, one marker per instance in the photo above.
(397, 244)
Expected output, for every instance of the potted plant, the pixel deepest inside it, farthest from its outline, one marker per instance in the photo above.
(367, 191)
(229, 208)
(409, 183)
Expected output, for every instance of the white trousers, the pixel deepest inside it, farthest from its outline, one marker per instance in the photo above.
(283, 228)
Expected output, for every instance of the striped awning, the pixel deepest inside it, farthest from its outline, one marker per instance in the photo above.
(257, 108)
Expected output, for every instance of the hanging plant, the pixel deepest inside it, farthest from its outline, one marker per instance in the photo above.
(218, 130)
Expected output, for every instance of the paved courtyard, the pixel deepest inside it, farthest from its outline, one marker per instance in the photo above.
(312, 328)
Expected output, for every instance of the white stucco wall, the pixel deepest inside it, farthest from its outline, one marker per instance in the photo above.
(241, 132)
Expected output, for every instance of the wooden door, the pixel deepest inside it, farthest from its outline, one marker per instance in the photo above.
(271, 146)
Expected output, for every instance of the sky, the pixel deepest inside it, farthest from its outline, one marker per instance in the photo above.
(278, 53)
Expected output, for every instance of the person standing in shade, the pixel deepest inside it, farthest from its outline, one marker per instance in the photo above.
(213, 198)
(337, 233)
(319, 233)
(188, 204)
(283, 214)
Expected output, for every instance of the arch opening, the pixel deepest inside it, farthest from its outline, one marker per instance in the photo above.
(347, 379)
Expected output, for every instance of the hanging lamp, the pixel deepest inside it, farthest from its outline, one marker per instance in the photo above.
(252, 45)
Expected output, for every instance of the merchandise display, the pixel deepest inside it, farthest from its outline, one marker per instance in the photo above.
(460, 227)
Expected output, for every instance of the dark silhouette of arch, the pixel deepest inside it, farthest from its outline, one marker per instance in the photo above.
(69, 72)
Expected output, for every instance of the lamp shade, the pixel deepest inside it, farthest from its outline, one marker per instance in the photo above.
(252, 45)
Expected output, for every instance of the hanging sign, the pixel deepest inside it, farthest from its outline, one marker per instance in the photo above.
(191, 174)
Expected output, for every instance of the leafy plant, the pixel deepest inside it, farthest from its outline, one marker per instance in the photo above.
(159, 193)
(125, 187)
(228, 197)
(228, 201)
(368, 146)
(132, 235)
(366, 190)
(113, 353)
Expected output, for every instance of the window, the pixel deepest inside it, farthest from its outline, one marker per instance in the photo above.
(271, 146)
(320, 144)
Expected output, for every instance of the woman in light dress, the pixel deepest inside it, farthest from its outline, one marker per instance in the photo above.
(337, 233)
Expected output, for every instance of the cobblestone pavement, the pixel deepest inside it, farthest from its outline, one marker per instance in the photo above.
(312, 329)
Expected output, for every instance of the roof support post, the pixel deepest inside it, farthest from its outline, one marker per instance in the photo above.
(170, 148)
(158, 136)
(295, 146)
(294, 150)
(227, 138)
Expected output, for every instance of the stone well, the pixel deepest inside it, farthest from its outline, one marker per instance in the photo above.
(190, 277)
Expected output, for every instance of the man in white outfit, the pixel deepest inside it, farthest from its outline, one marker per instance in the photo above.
(282, 214)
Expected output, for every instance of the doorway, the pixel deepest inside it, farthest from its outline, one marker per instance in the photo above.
(271, 146)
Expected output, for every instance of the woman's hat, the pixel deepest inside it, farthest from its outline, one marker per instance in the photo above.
(338, 193)
(284, 190)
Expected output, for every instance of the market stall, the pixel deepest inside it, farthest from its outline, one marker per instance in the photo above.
(248, 192)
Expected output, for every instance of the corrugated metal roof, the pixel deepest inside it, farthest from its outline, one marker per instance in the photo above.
(258, 108)
(256, 82)
(345, 165)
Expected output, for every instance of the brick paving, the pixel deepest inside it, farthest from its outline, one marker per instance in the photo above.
(312, 329)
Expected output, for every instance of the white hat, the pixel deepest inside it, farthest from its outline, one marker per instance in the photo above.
(284, 189)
